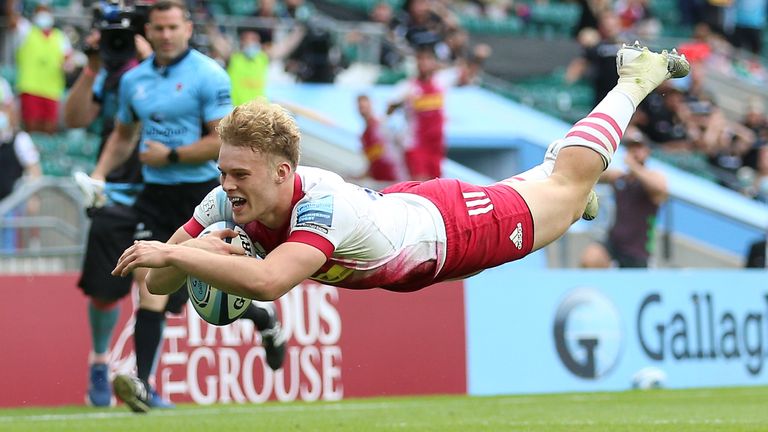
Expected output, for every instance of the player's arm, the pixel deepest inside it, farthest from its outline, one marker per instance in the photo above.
(267, 279)
(205, 149)
(80, 109)
(165, 280)
(654, 183)
(609, 176)
(117, 149)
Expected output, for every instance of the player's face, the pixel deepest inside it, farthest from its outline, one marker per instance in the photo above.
(169, 32)
(364, 106)
(639, 152)
(250, 181)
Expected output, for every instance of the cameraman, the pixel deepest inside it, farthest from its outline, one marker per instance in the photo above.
(93, 97)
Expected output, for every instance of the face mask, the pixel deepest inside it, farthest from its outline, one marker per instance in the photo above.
(44, 20)
(251, 50)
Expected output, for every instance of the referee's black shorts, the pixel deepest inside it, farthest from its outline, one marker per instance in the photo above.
(111, 232)
(161, 210)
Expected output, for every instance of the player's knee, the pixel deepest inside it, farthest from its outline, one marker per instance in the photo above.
(103, 304)
(595, 256)
(573, 194)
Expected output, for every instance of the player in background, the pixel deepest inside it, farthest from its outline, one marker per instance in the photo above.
(174, 99)
(378, 147)
(423, 99)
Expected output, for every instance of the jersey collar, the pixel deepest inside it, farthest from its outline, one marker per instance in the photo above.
(163, 69)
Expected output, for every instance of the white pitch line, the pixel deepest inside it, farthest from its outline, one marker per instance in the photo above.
(228, 410)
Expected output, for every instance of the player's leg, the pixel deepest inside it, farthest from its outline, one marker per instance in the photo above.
(273, 338)
(110, 233)
(102, 318)
(557, 201)
(137, 392)
(544, 170)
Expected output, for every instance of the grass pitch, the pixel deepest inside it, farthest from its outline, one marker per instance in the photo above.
(722, 409)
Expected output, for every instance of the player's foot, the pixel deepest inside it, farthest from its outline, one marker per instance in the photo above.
(132, 392)
(274, 340)
(641, 70)
(99, 393)
(592, 207)
(157, 402)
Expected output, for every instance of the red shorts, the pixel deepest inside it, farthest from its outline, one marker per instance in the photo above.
(38, 109)
(423, 164)
(485, 226)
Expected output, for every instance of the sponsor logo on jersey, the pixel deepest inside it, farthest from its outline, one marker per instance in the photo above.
(315, 213)
(223, 97)
(142, 233)
(208, 204)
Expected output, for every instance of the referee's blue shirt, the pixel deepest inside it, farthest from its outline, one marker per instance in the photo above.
(173, 103)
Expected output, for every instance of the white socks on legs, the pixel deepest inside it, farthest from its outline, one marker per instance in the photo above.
(603, 128)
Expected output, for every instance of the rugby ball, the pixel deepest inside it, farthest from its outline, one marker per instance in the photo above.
(214, 306)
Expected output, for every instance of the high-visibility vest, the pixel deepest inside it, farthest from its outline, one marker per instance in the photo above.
(248, 76)
(40, 62)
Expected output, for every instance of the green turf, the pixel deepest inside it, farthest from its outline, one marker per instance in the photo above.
(732, 409)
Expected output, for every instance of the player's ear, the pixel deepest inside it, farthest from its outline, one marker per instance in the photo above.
(283, 172)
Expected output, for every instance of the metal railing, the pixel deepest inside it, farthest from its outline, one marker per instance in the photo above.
(53, 239)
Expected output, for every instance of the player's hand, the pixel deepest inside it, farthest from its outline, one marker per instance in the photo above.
(92, 190)
(214, 242)
(143, 253)
(155, 155)
(143, 48)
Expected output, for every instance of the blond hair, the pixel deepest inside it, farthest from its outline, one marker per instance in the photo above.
(265, 127)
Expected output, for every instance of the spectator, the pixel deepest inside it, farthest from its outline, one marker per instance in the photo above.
(267, 11)
(749, 23)
(418, 18)
(658, 116)
(18, 158)
(390, 53)
(638, 193)
(313, 60)
(41, 59)
(248, 68)
(422, 99)
(377, 145)
(297, 10)
(759, 187)
(756, 255)
(599, 59)
(756, 121)
(588, 16)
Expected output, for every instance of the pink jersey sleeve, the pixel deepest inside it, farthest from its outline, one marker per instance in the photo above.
(314, 240)
(193, 227)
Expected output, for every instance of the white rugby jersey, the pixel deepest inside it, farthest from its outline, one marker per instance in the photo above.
(391, 241)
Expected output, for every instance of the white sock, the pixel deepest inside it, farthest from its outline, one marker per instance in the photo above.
(603, 128)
